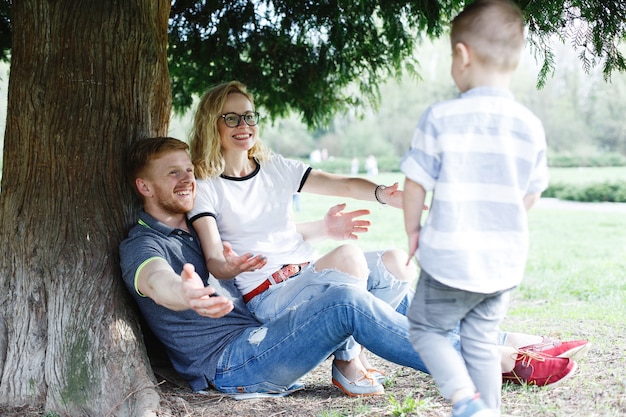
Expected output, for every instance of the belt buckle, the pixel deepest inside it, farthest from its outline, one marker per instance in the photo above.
(286, 272)
(279, 276)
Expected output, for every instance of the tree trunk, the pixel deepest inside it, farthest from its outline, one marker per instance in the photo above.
(87, 78)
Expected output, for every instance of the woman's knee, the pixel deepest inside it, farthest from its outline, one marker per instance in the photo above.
(395, 260)
(346, 258)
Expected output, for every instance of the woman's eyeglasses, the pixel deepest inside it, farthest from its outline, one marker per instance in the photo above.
(251, 118)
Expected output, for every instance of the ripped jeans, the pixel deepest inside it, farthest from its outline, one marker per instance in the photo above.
(297, 292)
(274, 356)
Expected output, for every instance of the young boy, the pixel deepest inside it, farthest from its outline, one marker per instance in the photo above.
(484, 157)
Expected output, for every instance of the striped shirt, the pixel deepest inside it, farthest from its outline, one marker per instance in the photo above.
(480, 154)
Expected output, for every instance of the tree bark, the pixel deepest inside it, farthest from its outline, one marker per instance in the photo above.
(87, 78)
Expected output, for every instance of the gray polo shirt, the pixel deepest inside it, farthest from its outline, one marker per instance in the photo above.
(194, 343)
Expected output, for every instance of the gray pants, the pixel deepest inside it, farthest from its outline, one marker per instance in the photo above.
(436, 311)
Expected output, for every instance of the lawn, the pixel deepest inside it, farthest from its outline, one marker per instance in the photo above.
(574, 287)
(587, 175)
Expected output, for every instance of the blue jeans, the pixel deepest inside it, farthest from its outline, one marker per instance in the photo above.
(274, 356)
(296, 292)
(303, 288)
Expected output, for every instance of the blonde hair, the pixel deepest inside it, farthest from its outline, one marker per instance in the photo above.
(494, 30)
(205, 143)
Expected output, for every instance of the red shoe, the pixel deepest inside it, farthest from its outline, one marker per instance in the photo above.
(536, 369)
(574, 349)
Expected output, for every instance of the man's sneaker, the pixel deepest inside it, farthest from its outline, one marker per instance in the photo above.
(472, 407)
(537, 369)
(297, 386)
(574, 349)
(362, 387)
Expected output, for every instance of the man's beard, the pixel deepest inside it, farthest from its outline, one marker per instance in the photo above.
(173, 206)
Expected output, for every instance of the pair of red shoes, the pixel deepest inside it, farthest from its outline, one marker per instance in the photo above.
(547, 363)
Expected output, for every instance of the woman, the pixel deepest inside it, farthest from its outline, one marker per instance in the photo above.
(243, 206)
(239, 202)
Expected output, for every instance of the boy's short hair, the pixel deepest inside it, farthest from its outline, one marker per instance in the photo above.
(494, 30)
(142, 151)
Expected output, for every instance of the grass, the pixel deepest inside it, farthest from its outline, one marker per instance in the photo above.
(574, 288)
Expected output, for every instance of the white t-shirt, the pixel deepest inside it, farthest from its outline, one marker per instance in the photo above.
(254, 215)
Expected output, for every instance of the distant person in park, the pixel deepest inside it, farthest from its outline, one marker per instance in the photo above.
(484, 157)
(211, 337)
(371, 165)
(354, 166)
(243, 210)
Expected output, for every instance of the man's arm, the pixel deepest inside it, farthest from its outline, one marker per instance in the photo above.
(157, 280)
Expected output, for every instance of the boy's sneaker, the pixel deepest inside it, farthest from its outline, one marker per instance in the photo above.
(574, 349)
(472, 407)
(537, 369)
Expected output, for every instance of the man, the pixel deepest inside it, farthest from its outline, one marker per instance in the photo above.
(211, 337)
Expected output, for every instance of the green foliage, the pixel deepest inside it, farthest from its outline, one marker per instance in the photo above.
(402, 409)
(341, 165)
(323, 58)
(593, 28)
(606, 191)
(409, 406)
(334, 165)
(581, 114)
(606, 114)
(554, 189)
(5, 30)
(604, 160)
(298, 55)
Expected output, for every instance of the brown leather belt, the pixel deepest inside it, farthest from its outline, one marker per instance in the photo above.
(283, 274)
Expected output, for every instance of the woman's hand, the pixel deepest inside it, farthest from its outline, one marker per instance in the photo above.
(345, 226)
(244, 263)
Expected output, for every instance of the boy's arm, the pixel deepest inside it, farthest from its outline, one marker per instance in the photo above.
(530, 200)
(414, 197)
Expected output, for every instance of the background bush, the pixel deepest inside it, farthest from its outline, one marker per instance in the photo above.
(606, 191)
(602, 160)
(341, 165)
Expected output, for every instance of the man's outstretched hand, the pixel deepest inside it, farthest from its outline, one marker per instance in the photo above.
(203, 300)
